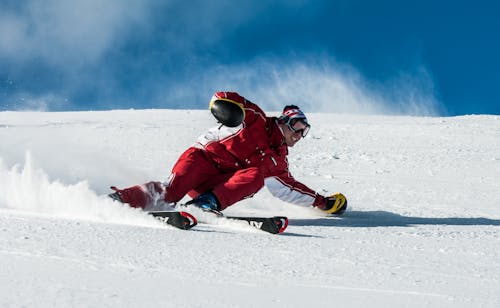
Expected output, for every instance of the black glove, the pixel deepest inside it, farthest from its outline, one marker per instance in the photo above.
(227, 112)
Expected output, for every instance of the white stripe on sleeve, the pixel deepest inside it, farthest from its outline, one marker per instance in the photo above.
(287, 194)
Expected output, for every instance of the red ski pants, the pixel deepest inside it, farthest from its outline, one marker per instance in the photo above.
(195, 173)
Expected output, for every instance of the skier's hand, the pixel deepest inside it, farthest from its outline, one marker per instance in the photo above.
(228, 111)
(333, 204)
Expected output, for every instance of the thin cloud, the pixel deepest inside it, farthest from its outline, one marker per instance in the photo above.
(317, 86)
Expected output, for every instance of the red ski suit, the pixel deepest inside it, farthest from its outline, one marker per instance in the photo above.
(235, 163)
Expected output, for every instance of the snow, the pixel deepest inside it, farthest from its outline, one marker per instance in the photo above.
(423, 229)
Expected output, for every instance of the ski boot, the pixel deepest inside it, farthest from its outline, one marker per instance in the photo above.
(207, 202)
(139, 196)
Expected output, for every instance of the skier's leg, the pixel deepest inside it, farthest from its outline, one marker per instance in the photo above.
(209, 184)
(192, 169)
(242, 184)
(140, 196)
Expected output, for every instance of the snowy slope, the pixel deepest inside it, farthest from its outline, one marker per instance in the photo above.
(423, 229)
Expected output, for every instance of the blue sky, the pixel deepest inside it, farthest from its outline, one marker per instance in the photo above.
(390, 57)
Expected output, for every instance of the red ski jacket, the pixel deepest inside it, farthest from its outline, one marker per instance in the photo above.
(257, 142)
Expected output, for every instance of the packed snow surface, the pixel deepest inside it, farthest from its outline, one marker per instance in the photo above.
(423, 229)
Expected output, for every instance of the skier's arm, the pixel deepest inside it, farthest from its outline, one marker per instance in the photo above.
(286, 188)
(290, 190)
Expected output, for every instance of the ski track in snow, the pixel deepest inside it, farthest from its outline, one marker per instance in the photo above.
(422, 230)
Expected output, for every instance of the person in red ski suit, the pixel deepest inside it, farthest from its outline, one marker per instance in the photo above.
(235, 160)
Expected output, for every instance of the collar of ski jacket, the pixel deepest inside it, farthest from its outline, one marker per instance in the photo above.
(275, 133)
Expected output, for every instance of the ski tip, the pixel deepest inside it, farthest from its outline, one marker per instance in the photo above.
(189, 221)
(281, 223)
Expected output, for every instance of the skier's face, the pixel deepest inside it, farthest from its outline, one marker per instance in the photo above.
(293, 133)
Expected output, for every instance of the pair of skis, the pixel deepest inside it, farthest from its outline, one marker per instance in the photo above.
(184, 220)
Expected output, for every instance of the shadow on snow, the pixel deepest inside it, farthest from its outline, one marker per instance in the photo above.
(388, 219)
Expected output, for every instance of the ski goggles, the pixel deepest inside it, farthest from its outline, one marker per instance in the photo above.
(298, 126)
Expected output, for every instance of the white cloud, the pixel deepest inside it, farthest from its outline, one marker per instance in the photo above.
(67, 34)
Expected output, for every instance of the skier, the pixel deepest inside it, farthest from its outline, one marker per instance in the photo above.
(235, 160)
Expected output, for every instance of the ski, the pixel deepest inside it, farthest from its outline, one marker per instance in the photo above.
(184, 220)
(179, 219)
